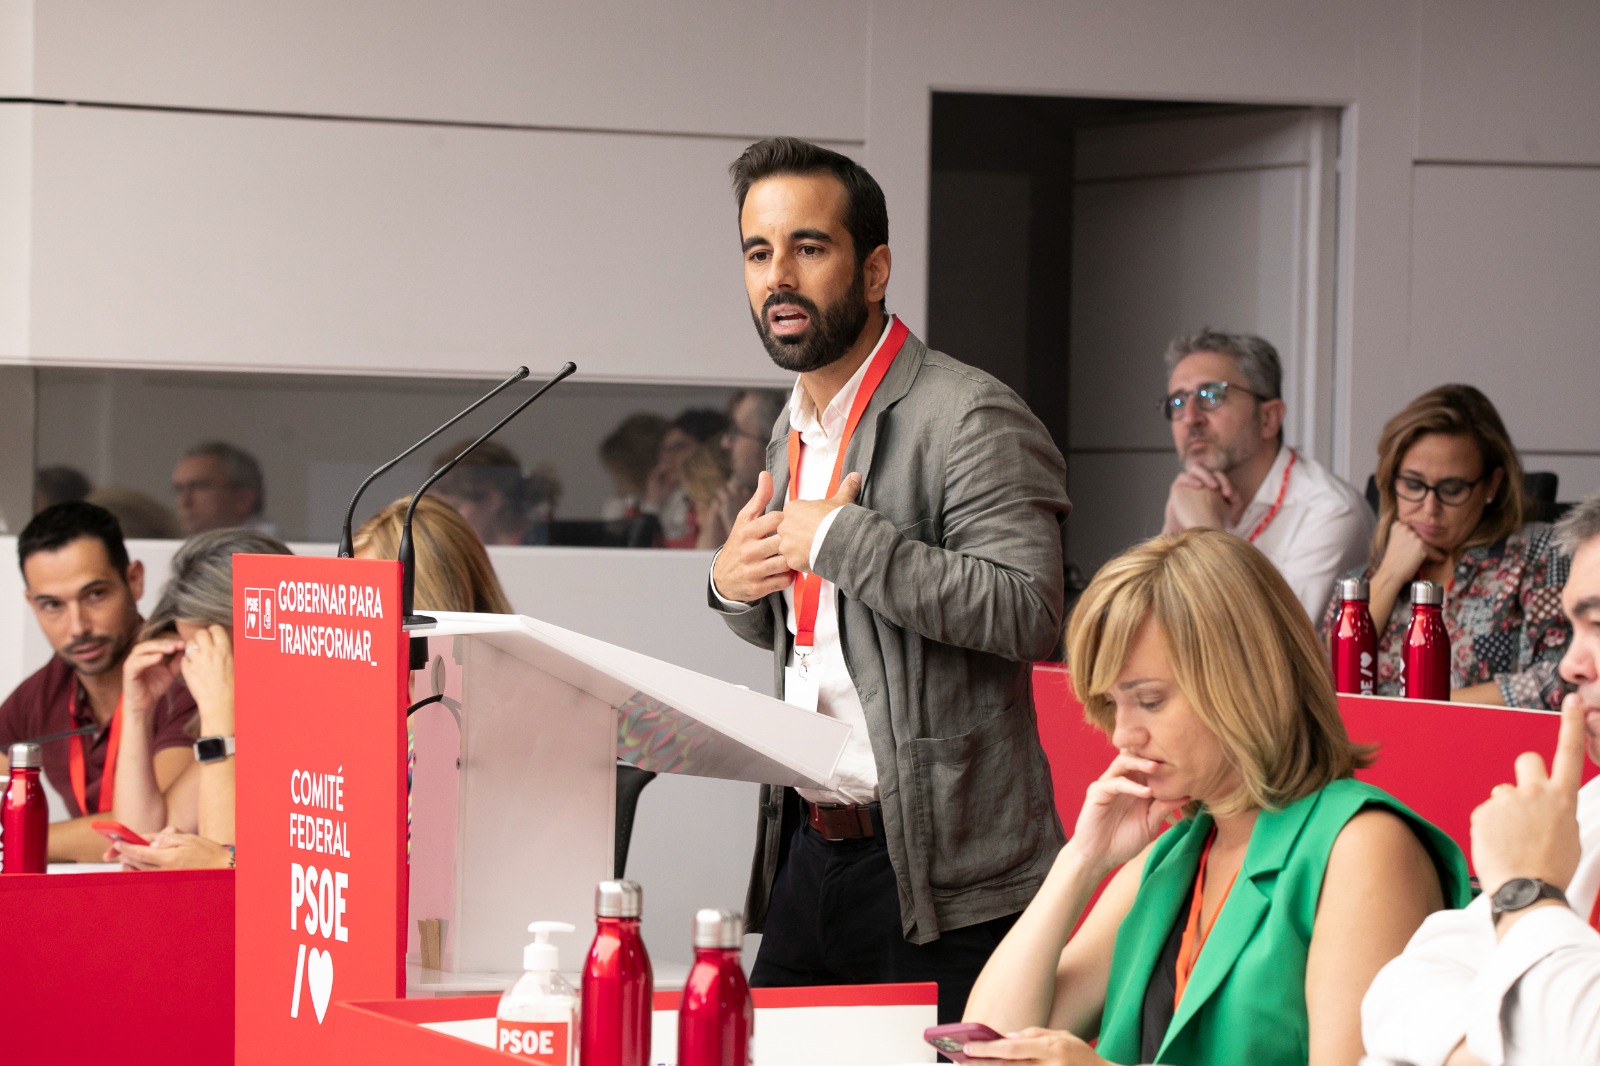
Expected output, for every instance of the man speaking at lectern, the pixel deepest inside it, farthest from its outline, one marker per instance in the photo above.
(902, 556)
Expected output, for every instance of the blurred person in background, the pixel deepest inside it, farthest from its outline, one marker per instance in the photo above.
(664, 495)
(501, 503)
(1225, 405)
(217, 485)
(453, 569)
(752, 423)
(1452, 510)
(58, 484)
(186, 644)
(629, 453)
(84, 592)
(705, 483)
(141, 517)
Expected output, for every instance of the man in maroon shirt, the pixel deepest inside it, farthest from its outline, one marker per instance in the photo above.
(85, 594)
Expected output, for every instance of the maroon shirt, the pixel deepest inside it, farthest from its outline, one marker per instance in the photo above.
(42, 705)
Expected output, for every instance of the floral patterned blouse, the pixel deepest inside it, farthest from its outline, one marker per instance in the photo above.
(1503, 613)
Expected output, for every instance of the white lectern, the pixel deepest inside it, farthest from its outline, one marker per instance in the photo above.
(514, 788)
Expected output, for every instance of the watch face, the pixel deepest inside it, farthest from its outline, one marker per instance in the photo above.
(210, 749)
(1516, 894)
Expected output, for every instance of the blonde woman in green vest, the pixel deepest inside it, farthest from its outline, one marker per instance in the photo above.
(1266, 886)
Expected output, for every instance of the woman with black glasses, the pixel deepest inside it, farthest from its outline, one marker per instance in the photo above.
(1451, 510)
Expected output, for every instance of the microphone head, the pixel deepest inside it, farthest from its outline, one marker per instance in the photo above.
(521, 373)
(569, 368)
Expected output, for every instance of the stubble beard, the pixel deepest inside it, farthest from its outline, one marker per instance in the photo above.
(831, 334)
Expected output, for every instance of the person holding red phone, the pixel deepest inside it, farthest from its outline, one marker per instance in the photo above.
(1261, 886)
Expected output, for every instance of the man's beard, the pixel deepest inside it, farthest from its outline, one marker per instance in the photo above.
(830, 334)
(119, 645)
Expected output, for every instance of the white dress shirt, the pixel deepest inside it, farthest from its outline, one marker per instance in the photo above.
(1532, 997)
(1323, 528)
(821, 434)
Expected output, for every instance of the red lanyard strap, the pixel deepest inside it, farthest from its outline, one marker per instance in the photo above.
(1194, 936)
(808, 587)
(78, 768)
(1277, 505)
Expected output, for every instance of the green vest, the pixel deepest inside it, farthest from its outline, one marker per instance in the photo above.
(1246, 999)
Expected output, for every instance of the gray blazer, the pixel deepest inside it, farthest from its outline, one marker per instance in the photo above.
(949, 577)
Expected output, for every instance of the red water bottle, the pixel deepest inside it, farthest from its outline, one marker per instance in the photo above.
(1427, 650)
(26, 824)
(1355, 640)
(617, 982)
(717, 1020)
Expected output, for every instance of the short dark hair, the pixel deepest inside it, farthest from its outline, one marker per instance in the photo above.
(866, 215)
(702, 423)
(59, 484)
(60, 524)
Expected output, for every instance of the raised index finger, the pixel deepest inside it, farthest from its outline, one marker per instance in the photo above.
(1566, 769)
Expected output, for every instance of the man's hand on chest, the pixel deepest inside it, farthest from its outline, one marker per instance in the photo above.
(797, 530)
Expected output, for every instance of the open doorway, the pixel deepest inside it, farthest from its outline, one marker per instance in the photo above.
(1070, 239)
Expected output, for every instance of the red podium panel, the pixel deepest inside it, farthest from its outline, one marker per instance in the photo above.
(319, 677)
(92, 961)
(1440, 759)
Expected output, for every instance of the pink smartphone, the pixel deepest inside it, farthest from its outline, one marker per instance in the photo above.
(950, 1039)
(118, 832)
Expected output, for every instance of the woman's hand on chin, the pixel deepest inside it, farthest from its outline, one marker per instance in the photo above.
(1120, 814)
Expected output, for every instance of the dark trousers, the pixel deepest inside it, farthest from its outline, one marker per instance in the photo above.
(834, 919)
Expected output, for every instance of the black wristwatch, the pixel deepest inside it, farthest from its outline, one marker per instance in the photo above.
(1521, 892)
(212, 749)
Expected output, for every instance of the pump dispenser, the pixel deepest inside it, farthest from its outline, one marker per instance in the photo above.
(538, 1016)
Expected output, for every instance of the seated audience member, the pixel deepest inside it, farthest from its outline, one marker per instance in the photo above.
(705, 483)
(664, 495)
(219, 486)
(1247, 931)
(1515, 978)
(1451, 510)
(501, 503)
(752, 421)
(58, 484)
(453, 570)
(1224, 400)
(190, 634)
(629, 454)
(141, 517)
(85, 593)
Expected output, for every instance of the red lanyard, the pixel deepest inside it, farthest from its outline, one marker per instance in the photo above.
(1277, 505)
(79, 772)
(808, 587)
(1194, 937)
(1594, 915)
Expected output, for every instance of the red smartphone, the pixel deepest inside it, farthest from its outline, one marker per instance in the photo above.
(118, 832)
(950, 1039)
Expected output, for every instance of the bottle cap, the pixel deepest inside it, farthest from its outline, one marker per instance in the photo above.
(541, 954)
(1429, 593)
(618, 899)
(1355, 588)
(26, 756)
(718, 929)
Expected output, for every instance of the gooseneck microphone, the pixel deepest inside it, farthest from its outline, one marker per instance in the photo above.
(346, 548)
(407, 552)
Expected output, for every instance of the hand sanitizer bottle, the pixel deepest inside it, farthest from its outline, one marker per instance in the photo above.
(538, 1016)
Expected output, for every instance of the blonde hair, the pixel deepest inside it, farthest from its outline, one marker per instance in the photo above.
(705, 472)
(1242, 651)
(1455, 411)
(453, 570)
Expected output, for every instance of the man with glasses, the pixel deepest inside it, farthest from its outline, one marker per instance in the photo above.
(1224, 401)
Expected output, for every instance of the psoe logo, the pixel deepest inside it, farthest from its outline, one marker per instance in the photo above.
(260, 614)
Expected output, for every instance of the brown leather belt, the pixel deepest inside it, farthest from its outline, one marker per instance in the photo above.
(841, 821)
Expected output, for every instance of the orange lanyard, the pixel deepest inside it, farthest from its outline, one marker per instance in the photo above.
(1277, 505)
(79, 770)
(808, 587)
(1194, 937)
(1594, 915)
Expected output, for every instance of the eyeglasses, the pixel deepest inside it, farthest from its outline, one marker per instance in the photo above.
(1452, 491)
(1208, 396)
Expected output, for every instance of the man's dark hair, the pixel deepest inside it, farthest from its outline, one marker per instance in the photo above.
(702, 423)
(866, 215)
(55, 527)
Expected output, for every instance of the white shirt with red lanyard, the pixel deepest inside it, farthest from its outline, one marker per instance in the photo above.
(819, 680)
